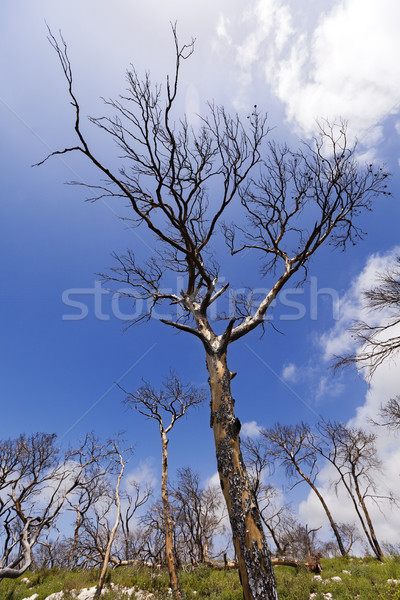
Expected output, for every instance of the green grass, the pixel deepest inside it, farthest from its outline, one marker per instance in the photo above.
(367, 581)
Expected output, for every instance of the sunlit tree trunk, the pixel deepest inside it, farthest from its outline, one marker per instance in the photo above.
(112, 533)
(254, 560)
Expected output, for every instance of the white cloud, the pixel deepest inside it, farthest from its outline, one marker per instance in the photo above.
(328, 387)
(289, 372)
(250, 429)
(144, 474)
(339, 60)
(213, 481)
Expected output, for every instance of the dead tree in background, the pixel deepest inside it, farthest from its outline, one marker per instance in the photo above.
(117, 462)
(279, 520)
(35, 481)
(200, 515)
(290, 446)
(152, 526)
(131, 546)
(90, 489)
(390, 413)
(179, 183)
(170, 403)
(352, 451)
(377, 343)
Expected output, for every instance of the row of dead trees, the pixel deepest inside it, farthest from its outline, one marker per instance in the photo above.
(350, 454)
(44, 493)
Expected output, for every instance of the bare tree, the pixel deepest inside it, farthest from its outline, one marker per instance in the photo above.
(377, 343)
(390, 413)
(131, 543)
(35, 481)
(294, 201)
(352, 451)
(152, 525)
(278, 519)
(200, 515)
(171, 403)
(117, 457)
(292, 448)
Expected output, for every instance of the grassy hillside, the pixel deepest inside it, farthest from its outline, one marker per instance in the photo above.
(361, 579)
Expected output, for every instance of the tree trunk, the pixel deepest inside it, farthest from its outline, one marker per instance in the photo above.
(254, 560)
(112, 534)
(76, 537)
(356, 508)
(326, 509)
(169, 537)
(273, 535)
(374, 541)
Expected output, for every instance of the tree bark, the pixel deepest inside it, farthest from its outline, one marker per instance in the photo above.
(254, 559)
(169, 538)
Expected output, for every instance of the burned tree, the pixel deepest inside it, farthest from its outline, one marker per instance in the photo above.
(390, 413)
(200, 515)
(294, 200)
(279, 519)
(117, 462)
(377, 343)
(353, 454)
(292, 447)
(166, 406)
(35, 481)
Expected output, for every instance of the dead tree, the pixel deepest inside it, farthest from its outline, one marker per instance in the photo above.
(279, 520)
(131, 543)
(390, 414)
(35, 482)
(200, 515)
(353, 453)
(377, 343)
(117, 462)
(152, 525)
(179, 183)
(171, 402)
(90, 489)
(291, 447)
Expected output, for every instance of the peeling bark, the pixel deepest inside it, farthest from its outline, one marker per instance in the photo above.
(254, 559)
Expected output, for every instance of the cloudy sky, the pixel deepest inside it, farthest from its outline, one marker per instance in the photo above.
(300, 61)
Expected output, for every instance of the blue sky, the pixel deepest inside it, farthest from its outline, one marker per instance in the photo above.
(337, 58)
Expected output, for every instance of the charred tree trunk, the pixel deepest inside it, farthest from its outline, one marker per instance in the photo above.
(169, 534)
(254, 560)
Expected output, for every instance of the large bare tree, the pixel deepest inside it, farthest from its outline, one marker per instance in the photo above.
(166, 407)
(179, 183)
